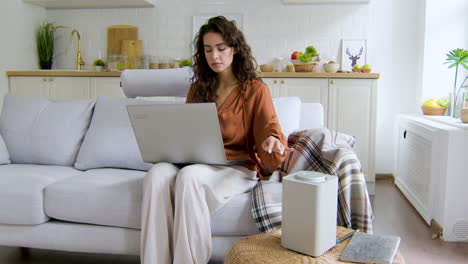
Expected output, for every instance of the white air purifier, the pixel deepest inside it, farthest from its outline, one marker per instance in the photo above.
(310, 201)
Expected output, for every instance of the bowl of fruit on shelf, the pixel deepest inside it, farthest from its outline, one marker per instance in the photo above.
(366, 68)
(305, 61)
(434, 106)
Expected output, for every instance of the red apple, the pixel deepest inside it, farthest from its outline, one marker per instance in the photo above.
(294, 55)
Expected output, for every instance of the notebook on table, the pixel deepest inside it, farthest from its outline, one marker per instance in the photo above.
(179, 133)
(369, 248)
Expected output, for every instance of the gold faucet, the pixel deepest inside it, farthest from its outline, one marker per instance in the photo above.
(79, 59)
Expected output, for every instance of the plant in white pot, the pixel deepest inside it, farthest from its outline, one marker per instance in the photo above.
(99, 65)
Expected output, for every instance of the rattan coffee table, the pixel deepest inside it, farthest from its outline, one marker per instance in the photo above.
(266, 248)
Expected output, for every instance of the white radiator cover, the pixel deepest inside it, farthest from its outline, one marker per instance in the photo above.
(431, 169)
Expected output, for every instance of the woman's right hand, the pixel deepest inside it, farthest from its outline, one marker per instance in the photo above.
(272, 144)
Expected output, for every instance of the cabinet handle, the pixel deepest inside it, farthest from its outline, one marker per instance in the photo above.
(332, 81)
(51, 79)
(275, 81)
(44, 79)
(283, 82)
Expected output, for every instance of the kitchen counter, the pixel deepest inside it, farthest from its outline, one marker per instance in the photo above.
(351, 75)
(70, 73)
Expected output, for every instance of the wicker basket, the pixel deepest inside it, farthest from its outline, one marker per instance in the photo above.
(306, 67)
(433, 110)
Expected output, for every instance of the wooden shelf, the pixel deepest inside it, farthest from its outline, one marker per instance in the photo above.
(91, 3)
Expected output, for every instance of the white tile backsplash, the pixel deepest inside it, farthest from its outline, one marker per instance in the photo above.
(272, 29)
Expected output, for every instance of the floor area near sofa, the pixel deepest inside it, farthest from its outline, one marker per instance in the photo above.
(393, 215)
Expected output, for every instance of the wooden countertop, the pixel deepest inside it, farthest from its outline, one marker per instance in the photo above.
(351, 75)
(64, 73)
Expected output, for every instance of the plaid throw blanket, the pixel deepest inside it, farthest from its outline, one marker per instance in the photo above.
(325, 151)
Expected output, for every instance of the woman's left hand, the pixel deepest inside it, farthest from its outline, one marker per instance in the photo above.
(272, 144)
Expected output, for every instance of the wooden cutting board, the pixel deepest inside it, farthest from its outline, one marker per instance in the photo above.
(115, 35)
(132, 48)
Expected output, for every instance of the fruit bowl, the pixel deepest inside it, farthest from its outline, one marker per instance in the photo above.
(306, 67)
(300, 66)
(433, 110)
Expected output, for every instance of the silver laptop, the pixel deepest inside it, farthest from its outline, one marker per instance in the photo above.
(178, 133)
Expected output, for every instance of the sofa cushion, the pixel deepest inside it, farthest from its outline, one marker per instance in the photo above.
(4, 155)
(40, 131)
(234, 218)
(288, 110)
(113, 197)
(110, 141)
(22, 191)
(100, 196)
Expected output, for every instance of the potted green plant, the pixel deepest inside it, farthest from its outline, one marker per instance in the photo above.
(185, 63)
(98, 64)
(45, 38)
(456, 58)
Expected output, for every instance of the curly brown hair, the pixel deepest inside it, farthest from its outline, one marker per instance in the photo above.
(204, 80)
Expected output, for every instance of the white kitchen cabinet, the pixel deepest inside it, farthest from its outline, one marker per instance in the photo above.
(350, 107)
(91, 3)
(310, 90)
(51, 87)
(106, 86)
(352, 110)
(65, 88)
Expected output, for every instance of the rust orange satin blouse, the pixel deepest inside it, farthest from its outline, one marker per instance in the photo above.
(246, 120)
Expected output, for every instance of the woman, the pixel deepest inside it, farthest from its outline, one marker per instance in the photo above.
(177, 202)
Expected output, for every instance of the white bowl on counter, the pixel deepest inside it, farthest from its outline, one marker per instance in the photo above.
(331, 67)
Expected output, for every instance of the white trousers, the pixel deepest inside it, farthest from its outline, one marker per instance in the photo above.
(176, 209)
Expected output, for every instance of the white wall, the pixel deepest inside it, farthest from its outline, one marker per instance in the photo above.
(446, 30)
(19, 22)
(396, 31)
(272, 29)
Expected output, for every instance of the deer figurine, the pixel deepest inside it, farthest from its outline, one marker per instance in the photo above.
(354, 58)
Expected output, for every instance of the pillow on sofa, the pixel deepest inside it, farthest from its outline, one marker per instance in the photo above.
(288, 110)
(41, 131)
(4, 156)
(110, 141)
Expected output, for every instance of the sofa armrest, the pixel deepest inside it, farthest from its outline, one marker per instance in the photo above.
(312, 116)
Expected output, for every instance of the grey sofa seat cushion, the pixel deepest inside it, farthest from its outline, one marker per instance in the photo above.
(4, 155)
(113, 197)
(101, 196)
(22, 191)
(41, 131)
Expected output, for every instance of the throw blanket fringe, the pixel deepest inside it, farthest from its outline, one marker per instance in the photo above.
(325, 151)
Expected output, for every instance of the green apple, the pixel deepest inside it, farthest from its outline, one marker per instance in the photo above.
(443, 102)
(357, 66)
(366, 68)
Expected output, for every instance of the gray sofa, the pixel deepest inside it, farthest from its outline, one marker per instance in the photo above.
(71, 176)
